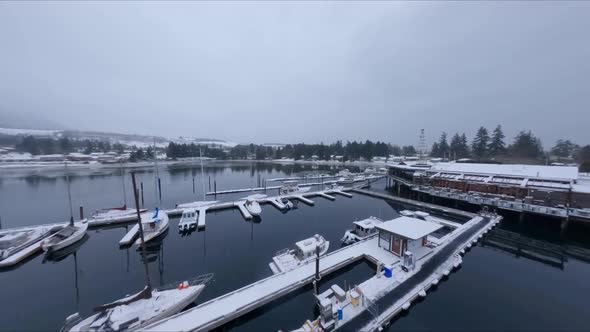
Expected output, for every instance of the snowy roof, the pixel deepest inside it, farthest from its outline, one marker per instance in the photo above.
(410, 228)
(550, 172)
(368, 223)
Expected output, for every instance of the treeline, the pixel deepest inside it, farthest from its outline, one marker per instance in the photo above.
(37, 146)
(349, 151)
(525, 145)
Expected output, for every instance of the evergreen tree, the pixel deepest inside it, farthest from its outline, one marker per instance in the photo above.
(526, 145)
(564, 148)
(497, 145)
(443, 146)
(435, 151)
(480, 143)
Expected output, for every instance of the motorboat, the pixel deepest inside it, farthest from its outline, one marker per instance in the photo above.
(188, 220)
(153, 225)
(362, 230)
(253, 207)
(252, 204)
(305, 251)
(291, 187)
(66, 236)
(136, 311)
(287, 203)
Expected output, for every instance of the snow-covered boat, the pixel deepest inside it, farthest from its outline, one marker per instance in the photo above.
(66, 236)
(17, 245)
(291, 187)
(188, 220)
(362, 230)
(114, 213)
(60, 255)
(253, 207)
(139, 310)
(153, 225)
(370, 170)
(252, 204)
(305, 250)
(287, 203)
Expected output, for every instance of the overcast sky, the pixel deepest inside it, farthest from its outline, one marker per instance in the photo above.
(299, 71)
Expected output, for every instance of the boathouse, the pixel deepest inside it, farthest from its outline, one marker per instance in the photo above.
(406, 234)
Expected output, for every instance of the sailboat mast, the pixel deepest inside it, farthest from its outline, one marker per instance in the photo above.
(202, 174)
(123, 182)
(143, 250)
(69, 194)
(157, 177)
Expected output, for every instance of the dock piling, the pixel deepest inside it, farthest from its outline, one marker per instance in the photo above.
(142, 201)
(81, 212)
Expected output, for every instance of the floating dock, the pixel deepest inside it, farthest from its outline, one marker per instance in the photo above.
(228, 307)
(130, 236)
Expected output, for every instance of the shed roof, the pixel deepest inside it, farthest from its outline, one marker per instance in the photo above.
(410, 228)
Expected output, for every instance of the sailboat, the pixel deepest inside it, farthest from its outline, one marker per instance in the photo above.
(136, 311)
(156, 224)
(71, 233)
(120, 212)
(153, 225)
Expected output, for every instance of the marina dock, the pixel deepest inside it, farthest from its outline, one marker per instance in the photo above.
(230, 306)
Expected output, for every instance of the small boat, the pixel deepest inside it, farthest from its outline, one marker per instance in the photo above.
(188, 220)
(370, 170)
(252, 204)
(287, 203)
(291, 187)
(289, 259)
(253, 207)
(153, 226)
(362, 230)
(66, 236)
(141, 309)
(60, 255)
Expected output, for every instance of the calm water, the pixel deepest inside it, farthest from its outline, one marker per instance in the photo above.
(494, 289)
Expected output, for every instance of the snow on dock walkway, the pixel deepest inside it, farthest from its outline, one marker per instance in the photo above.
(227, 307)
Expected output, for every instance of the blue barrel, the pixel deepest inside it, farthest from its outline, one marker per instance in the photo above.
(387, 271)
(339, 313)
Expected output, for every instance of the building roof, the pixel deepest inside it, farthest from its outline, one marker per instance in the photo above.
(410, 228)
(567, 173)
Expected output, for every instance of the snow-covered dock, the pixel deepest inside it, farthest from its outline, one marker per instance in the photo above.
(225, 308)
(130, 236)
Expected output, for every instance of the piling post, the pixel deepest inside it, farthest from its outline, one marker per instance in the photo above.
(0, 222)
(193, 184)
(142, 201)
(81, 212)
(215, 187)
(209, 182)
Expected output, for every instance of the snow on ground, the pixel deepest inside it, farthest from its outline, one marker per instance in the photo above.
(32, 132)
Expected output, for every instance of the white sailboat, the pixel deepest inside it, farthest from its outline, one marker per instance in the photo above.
(136, 311)
(153, 225)
(149, 305)
(305, 250)
(71, 233)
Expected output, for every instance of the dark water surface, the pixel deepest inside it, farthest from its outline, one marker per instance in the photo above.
(495, 289)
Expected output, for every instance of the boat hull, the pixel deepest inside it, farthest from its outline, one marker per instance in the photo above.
(49, 245)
